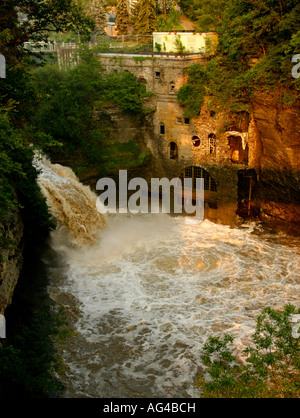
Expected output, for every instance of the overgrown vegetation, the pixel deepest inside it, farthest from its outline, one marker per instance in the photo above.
(272, 367)
(26, 356)
(67, 99)
(191, 95)
(51, 107)
(18, 187)
(257, 40)
(35, 21)
(169, 21)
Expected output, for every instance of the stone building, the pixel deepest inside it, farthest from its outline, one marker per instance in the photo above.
(184, 147)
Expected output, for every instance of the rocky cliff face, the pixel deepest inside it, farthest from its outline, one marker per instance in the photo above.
(12, 258)
(276, 132)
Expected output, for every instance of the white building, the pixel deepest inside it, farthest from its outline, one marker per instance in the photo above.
(185, 42)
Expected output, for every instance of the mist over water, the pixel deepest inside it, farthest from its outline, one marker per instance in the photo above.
(145, 295)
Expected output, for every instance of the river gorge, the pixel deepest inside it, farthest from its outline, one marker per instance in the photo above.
(143, 292)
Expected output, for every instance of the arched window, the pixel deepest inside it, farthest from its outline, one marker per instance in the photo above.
(212, 143)
(162, 128)
(196, 141)
(173, 151)
(172, 87)
(195, 172)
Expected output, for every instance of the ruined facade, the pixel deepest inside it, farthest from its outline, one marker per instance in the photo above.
(179, 144)
(254, 157)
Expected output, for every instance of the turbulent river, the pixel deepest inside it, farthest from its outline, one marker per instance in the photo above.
(146, 293)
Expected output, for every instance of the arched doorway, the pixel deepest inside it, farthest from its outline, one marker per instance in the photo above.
(210, 190)
(195, 172)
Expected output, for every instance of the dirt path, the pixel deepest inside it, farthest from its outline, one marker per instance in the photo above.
(186, 23)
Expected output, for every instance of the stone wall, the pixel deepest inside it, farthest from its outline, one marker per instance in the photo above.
(158, 71)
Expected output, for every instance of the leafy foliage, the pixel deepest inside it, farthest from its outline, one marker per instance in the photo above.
(98, 14)
(170, 21)
(191, 95)
(37, 20)
(67, 97)
(272, 366)
(124, 90)
(18, 187)
(10, 141)
(257, 40)
(134, 12)
(146, 21)
(67, 100)
(122, 19)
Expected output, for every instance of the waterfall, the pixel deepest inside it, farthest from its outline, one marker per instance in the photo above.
(71, 203)
(148, 290)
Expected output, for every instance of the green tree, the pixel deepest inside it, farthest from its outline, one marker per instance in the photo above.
(169, 21)
(99, 16)
(66, 97)
(272, 363)
(20, 22)
(257, 40)
(18, 187)
(31, 20)
(209, 14)
(134, 12)
(191, 95)
(122, 19)
(146, 22)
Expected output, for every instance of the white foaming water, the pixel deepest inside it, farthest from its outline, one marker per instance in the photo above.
(146, 297)
(150, 290)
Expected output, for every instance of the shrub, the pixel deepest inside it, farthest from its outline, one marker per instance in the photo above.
(272, 365)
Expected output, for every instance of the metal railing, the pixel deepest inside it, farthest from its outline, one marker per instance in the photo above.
(135, 39)
(48, 46)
